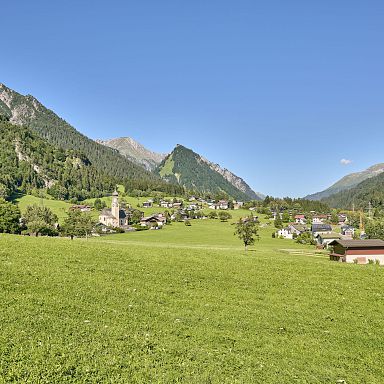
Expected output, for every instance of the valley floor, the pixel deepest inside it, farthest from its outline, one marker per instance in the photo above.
(186, 305)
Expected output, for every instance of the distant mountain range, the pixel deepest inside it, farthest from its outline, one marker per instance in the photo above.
(124, 159)
(135, 152)
(348, 182)
(201, 180)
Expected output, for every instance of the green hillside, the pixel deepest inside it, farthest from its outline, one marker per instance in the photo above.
(187, 168)
(370, 190)
(28, 163)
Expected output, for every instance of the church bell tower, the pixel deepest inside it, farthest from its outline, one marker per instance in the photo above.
(115, 205)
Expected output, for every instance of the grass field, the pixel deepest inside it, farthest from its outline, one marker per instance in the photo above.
(60, 208)
(186, 305)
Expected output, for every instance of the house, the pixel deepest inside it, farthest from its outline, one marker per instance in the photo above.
(147, 204)
(325, 239)
(319, 219)
(347, 231)
(177, 205)
(342, 218)
(357, 251)
(114, 216)
(237, 204)
(300, 219)
(285, 233)
(291, 231)
(153, 221)
(82, 208)
(297, 228)
(166, 204)
(320, 228)
(223, 204)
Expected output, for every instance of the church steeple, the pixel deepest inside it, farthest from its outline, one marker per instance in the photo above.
(115, 205)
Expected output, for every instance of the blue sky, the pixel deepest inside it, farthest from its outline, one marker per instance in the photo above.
(279, 92)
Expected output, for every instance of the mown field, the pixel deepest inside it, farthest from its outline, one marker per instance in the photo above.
(186, 305)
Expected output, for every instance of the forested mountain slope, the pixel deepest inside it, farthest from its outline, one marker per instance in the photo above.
(348, 182)
(28, 111)
(190, 170)
(370, 190)
(28, 162)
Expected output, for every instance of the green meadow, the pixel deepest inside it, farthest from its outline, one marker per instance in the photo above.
(186, 305)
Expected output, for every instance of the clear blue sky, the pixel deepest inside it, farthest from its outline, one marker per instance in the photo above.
(276, 91)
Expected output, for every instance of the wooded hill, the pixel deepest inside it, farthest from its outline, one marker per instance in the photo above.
(370, 190)
(190, 170)
(28, 162)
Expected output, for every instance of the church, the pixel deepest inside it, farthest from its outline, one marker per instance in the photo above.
(114, 217)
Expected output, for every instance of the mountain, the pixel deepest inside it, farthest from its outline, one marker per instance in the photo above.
(28, 163)
(368, 191)
(28, 111)
(135, 152)
(195, 173)
(348, 182)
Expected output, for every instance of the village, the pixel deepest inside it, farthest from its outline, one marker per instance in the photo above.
(333, 231)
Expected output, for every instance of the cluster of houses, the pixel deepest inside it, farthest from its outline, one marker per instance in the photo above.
(322, 232)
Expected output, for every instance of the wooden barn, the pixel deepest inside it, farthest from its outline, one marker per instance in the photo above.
(358, 251)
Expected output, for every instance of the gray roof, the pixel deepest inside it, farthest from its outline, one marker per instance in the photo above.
(321, 227)
(371, 243)
(106, 212)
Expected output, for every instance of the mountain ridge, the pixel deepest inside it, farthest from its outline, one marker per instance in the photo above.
(348, 182)
(196, 173)
(134, 151)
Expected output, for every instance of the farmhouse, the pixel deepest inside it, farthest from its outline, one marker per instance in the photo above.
(359, 251)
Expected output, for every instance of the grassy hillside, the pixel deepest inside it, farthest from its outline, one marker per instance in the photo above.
(60, 208)
(185, 304)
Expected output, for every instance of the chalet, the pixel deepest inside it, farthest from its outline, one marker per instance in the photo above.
(153, 221)
(357, 251)
(147, 204)
(320, 228)
(300, 219)
(325, 239)
(177, 205)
